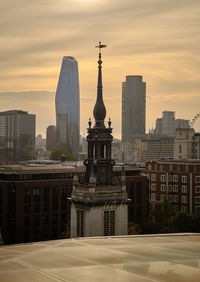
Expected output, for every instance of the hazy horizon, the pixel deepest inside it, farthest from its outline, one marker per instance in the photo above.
(156, 39)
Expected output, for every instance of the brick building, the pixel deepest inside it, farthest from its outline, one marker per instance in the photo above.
(179, 181)
(34, 205)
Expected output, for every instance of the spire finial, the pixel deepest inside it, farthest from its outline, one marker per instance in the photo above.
(99, 109)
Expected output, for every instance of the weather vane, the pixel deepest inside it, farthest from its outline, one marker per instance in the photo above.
(100, 46)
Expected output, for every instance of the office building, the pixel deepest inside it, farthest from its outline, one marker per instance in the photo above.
(17, 135)
(168, 124)
(68, 106)
(51, 138)
(133, 107)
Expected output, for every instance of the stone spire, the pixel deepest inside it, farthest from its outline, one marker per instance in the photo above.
(99, 111)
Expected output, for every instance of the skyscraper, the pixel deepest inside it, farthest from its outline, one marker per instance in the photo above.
(68, 106)
(17, 135)
(133, 107)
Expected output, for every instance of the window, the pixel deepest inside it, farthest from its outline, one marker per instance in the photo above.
(197, 200)
(175, 178)
(197, 179)
(80, 223)
(153, 196)
(194, 168)
(161, 167)
(197, 189)
(175, 198)
(153, 177)
(162, 178)
(162, 197)
(109, 222)
(184, 189)
(45, 219)
(184, 208)
(170, 198)
(197, 210)
(36, 221)
(184, 179)
(170, 167)
(153, 186)
(26, 221)
(178, 168)
(153, 207)
(36, 191)
(175, 208)
(180, 149)
(184, 199)
(162, 187)
(175, 188)
(170, 178)
(170, 188)
(149, 166)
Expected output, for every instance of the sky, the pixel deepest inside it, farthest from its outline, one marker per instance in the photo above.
(158, 39)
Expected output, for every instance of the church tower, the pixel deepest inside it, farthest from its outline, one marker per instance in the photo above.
(99, 202)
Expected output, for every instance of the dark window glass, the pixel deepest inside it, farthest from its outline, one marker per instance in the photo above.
(36, 220)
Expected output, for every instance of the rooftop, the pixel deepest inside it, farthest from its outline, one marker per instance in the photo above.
(166, 257)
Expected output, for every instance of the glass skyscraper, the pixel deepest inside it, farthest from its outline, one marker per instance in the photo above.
(68, 106)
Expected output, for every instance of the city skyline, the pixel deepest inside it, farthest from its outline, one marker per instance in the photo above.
(156, 40)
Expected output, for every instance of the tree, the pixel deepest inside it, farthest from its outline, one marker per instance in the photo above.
(57, 153)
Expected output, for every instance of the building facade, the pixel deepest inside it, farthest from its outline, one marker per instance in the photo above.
(179, 181)
(51, 138)
(68, 106)
(17, 135)
(133, 107)
(168, 124)
(186, 144)
(34, 205)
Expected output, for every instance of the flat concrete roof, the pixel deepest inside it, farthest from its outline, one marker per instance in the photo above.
(166, 257)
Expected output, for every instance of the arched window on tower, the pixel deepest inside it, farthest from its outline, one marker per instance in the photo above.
(180, 149)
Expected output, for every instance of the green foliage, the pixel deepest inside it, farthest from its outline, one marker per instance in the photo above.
(133, 228)
(184, 222)
(58, 152)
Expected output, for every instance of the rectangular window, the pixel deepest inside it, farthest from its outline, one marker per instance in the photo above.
(162, 178)
(175, 198)
(153, 196)
(184, 208)
(80, 223)
(153, 177)
(184, 189)
(170, 167)
(153, 207)
(184, 199)
(184, 179)
(170, 198)
(197, 189)
(197, 210)
(109, 223)
(175, 178)
(197, 200)
(197, 179)
(170, 189)
(175, 208)
(162, 197)
(162, 187)
(153, 186)
(175, 188)
(161, 167)
(170, 178)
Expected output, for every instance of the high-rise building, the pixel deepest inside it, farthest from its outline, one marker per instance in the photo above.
(17, 135)
(133, 107)
(68, 106)
(51, 138)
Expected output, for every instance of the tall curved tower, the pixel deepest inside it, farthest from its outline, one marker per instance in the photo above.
(68, 106)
